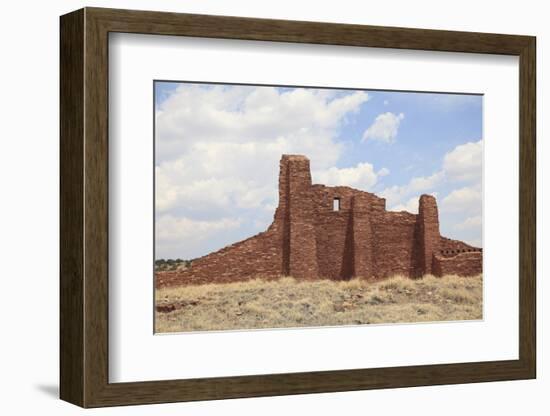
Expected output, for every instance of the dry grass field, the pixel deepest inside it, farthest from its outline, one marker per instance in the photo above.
(289, 303)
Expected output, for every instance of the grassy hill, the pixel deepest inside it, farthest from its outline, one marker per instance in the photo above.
(291, 303)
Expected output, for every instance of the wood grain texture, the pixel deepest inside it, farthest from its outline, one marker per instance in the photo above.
(527, 207)
(226, 27)
(71, 213)
(84, 207)
(96, 219)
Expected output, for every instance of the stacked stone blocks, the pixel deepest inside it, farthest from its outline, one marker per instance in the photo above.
(309, 239)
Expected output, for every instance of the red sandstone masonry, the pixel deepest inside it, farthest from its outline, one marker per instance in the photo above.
(428, 236)
(463, 264)
(310, 240)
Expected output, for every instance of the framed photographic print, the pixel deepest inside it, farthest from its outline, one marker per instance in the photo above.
(255, 207)
(238, 160)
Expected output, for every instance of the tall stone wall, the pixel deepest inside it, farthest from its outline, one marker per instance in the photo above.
(362, 236)
(334, 249)
(394, 244)
(300, 215)
(428, 237)
(309, 239)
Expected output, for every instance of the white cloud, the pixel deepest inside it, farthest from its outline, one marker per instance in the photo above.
(411, 206)
(384, 128)
(218, 150)
(465, 200)
(203, 236)
(184, 184)
(461, 208)
(169, 228)
(463, 163)
(395, 195)
(362, 176)
(260, 115)
(469, 223)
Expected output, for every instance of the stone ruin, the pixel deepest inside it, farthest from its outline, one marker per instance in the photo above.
(334, 232)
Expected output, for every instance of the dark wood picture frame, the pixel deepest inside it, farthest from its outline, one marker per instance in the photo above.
(84, 207)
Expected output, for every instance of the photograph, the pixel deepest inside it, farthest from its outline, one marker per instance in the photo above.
(290, 206)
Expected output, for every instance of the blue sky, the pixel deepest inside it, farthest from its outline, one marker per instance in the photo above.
(218, 146)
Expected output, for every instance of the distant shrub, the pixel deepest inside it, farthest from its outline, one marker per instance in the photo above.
(164, 265)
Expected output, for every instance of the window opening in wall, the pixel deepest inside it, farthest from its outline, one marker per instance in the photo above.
(336, 204)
